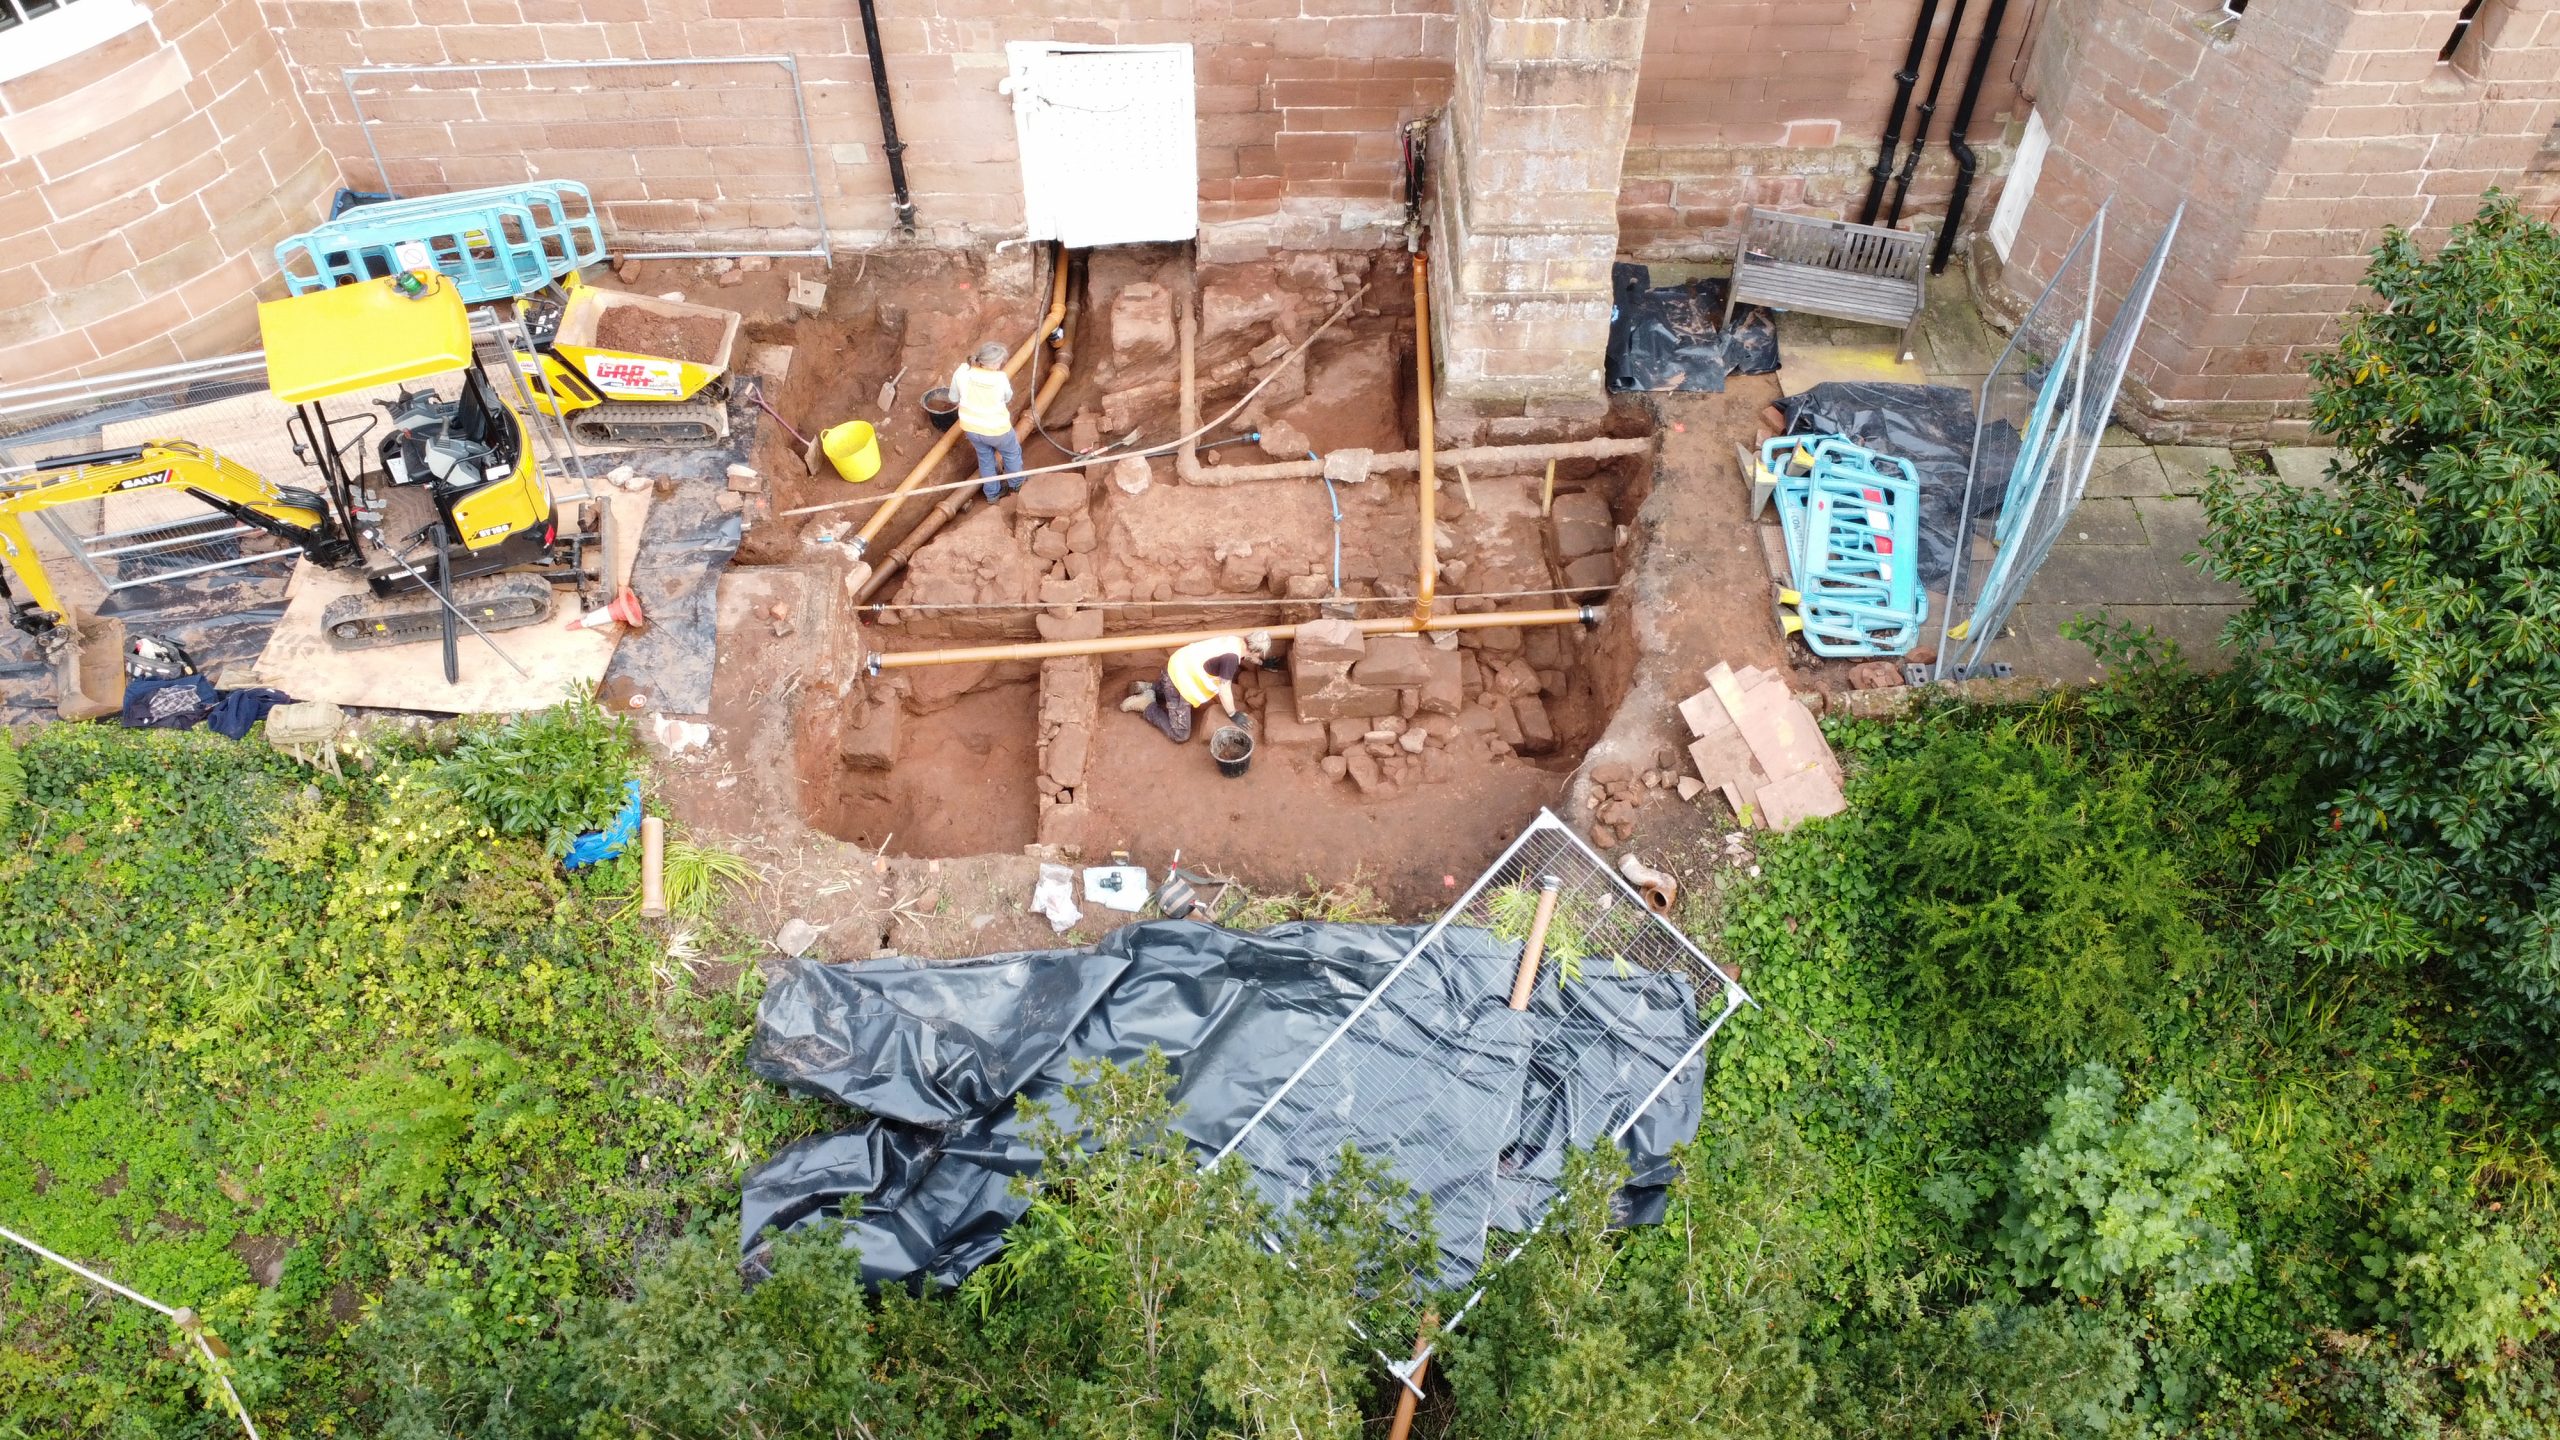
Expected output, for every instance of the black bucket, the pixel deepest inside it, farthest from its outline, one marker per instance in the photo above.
(1232, 748)
(941, 407)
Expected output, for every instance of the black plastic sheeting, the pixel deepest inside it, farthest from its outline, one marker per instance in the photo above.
(685, 544)
(222, 619)
(1669, 338)
(1932, 427)
(937, 1056)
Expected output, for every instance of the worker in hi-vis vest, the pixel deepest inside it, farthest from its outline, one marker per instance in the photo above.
(1196, 674)
(985, 395)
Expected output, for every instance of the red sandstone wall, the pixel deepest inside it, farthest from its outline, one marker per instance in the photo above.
(1781, 102)
(1297, 98)
(2296, 138)
(143, 185)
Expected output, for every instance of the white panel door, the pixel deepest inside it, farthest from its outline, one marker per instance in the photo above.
(1110, 147)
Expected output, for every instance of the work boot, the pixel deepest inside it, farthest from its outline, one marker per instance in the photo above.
(1137, 704)
(991, 491)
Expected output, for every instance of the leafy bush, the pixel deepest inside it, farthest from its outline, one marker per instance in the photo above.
(2107, 1200)
(2024, 890)
(2407, 626)
(2459, 1286)
(546, 773)
(341, 1024)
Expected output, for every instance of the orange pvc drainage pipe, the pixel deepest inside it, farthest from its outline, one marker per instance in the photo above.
(1427, 584)
(861, 542)
(952, 504)
(1128, 644)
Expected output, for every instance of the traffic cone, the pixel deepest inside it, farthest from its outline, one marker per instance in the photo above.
(624, 609)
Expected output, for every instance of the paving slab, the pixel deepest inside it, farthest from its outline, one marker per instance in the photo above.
(2127, 471)
(1955, 340)
(2305, 467)
(2103, 521)
(2186, 465)
(2035, 646)
(1807, 363)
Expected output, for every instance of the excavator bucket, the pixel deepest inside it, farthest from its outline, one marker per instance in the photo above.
(88, 669)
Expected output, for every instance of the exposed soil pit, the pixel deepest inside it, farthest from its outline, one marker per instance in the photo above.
(1408, 757)
(1411, 757)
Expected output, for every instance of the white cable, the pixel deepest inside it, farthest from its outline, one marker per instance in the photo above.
(185, 1320)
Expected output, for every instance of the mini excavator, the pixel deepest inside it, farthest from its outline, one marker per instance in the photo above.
(451, 525)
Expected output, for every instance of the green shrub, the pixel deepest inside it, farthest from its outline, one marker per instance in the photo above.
(2405, 624)
(248, 1010)
(2107, 1200)
(550, 774)
(2024, 891)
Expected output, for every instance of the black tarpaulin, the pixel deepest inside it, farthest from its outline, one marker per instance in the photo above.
(1932, 427)
(1671, 338)
(222, 618)
(685, 544)
(938, 1055)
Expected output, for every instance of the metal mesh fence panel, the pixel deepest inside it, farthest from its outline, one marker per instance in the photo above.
(683, 157)
(1475, 1104)
(2057, 381)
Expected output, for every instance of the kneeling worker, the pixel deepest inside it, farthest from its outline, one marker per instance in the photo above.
(1198, 673)
(985, 396)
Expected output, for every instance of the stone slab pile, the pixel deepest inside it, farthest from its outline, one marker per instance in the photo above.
(1757, 745)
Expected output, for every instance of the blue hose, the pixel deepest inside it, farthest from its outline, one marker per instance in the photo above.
(1336, 502)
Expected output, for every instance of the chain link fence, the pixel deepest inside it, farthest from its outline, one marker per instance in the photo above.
(685, 158)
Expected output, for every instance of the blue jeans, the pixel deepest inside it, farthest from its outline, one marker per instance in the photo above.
(998, 455)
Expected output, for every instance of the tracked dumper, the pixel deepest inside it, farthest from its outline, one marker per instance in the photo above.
(629, 369)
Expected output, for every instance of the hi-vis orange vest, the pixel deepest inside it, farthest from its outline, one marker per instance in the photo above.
(1189, 667)
(985, 397)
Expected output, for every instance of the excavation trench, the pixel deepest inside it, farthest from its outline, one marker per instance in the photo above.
(1413, 762)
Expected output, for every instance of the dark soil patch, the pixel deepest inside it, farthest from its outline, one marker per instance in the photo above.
(264, 1255)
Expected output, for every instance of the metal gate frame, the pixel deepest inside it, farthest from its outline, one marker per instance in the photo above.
(349, 75)
(1645, 940)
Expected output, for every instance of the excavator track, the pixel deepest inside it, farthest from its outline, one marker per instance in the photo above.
(493, 602)
(652, 422)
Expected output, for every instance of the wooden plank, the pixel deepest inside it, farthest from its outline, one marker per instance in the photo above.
(301, 663)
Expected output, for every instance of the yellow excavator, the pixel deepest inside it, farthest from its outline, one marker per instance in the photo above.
(451, 523)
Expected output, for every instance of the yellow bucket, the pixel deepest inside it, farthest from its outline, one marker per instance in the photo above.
(854, 449)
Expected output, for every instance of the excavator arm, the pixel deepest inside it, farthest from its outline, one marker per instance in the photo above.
(297, 516)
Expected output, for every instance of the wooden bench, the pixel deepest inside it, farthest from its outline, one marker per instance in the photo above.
(1830, 267)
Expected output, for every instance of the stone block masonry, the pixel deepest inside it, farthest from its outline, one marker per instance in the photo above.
(2295, 134)
(1525, 220)
(1757, 102)
(144, 183)
(1299, 101)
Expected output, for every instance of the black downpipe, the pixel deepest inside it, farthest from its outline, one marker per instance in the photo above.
(1955, 135)
(1903, 80)
(1928, 112)
(890, 147)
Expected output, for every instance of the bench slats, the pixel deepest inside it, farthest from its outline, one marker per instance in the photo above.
(1830, 267)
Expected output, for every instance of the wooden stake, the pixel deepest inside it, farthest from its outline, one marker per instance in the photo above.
(1547, 492)
(1466, 489)
(1525, 984)
(1408, 1395)
(653, 862)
